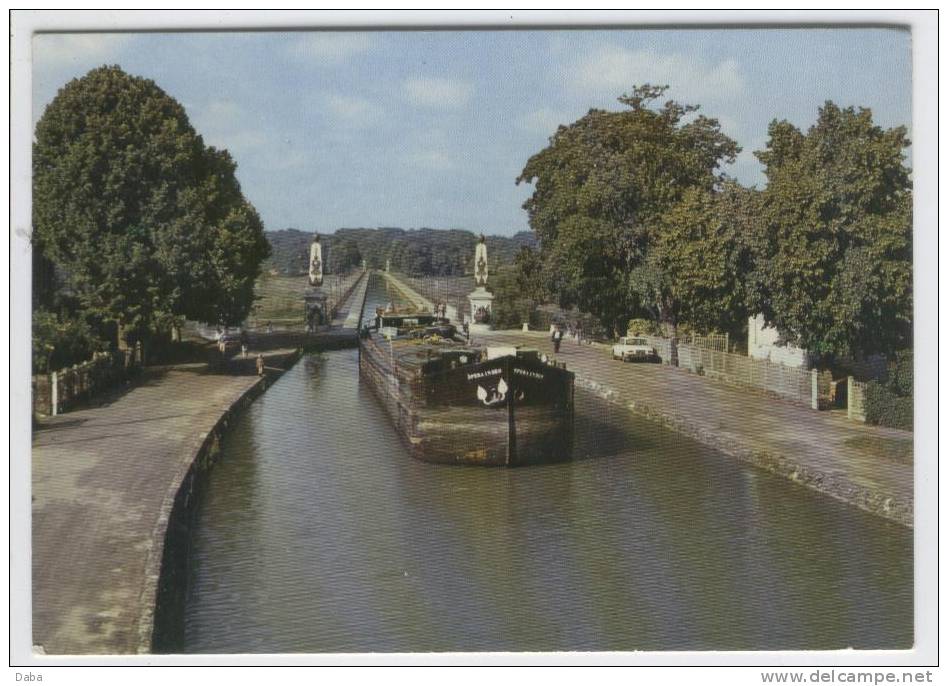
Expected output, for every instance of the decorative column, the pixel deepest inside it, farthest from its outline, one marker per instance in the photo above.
(480, 298)
(315, 298)
(814, 389)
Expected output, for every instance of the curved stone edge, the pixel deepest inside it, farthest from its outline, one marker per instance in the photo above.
(177, 502)
(835, 486)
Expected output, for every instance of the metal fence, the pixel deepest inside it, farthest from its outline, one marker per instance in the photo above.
(799, 385)
(339, 287)
(451, 290)
(63, 389)
(711, 341)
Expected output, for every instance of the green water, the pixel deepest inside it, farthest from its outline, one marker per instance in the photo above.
(320, 534)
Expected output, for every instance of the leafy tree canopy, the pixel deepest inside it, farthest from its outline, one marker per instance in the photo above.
(833, 254)
(141, 218)
(699, 258)
(601, 189)
(419, 252)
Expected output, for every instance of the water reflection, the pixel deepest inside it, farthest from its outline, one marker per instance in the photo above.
(320, 534)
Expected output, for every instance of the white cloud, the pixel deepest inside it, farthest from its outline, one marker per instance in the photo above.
(223, 124)
(545, 121)
(615, 70)
(430, 91)
(58, 49)
(332, 47)
(285, 159)
(431, 159)
(351, 110)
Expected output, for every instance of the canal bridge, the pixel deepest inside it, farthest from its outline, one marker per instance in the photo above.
(416, 299)
(342, 332)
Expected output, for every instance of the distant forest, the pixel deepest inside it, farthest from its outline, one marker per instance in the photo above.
(418, 252)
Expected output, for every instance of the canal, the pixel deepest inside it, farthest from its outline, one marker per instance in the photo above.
(318, 533)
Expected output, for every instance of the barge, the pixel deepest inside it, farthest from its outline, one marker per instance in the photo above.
(457, 404)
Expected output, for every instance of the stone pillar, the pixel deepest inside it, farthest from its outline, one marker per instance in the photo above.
(315, 262)
(480, 298)
(849, 397)
(54, 393)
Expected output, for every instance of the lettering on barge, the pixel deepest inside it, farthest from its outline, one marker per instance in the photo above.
(481, 375)
(516, 370)
(528, 373)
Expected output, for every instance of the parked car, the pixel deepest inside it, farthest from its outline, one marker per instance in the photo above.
(633, 348)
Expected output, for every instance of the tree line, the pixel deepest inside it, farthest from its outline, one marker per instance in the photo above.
(418, 252)
(137, 224)
(636, 217)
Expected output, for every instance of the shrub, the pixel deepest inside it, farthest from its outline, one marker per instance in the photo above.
(642, 326)
(890, 403)
(511, 314)
(61, 341)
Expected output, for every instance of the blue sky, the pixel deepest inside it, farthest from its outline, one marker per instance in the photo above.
(416, 129)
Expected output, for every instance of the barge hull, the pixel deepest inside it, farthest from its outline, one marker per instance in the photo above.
(502, 412)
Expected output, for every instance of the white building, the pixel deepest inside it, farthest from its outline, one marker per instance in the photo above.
(762, 345)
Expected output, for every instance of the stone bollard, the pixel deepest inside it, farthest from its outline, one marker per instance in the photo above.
(814, 390)
(54, 393)
(849, 397)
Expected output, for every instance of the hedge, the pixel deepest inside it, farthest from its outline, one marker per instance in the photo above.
(890, 403)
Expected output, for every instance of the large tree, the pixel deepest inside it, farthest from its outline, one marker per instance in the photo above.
(140, 217)
(602, 187)
(699, 259)
(833, 254)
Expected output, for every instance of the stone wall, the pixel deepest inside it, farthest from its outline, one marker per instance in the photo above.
(161, 628)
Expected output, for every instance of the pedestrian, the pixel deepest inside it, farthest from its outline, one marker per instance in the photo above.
(260, 364)
(269, 327)
(243, 350)
(557, 339)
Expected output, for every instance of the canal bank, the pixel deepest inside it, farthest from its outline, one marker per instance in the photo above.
(114, 487)
(318, 532)
(822, 451)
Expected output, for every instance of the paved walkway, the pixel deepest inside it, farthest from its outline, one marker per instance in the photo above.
(822, 450)
(343, 332)
(100, 477)
(348, 314)
(417, 299)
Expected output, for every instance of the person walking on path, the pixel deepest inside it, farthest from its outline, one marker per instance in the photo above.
(557, 339)
(260, 364)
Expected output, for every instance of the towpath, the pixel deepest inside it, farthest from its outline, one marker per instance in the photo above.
(868, 466)
(343, 332)
(100, 479)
